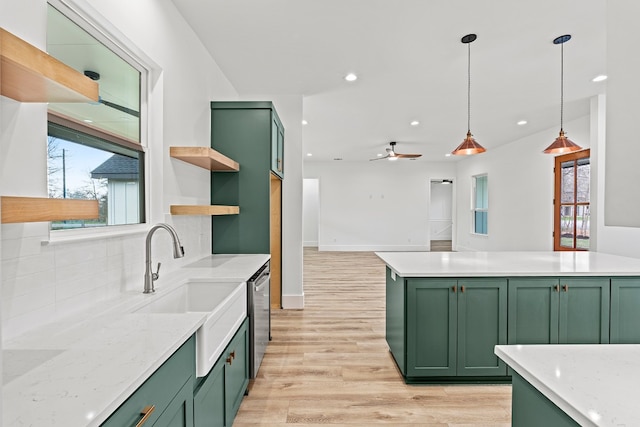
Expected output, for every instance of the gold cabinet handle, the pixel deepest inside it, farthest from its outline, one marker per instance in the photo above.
(462, 288)
(556, 288)
(229, 360)
(454, 288)
(565, 288)
(146, 413)
(233, 354)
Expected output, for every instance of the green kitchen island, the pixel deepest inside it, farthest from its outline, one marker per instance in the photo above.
(446, 311)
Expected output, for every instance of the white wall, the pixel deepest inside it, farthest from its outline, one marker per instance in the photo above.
(375, 205)
(521, 190)
(310, 210)
(42, 282)
(623, 109)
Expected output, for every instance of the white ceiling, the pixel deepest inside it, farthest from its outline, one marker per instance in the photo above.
(411, 66)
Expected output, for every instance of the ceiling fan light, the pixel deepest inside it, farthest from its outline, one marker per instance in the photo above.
(562, 145)
(468, 147)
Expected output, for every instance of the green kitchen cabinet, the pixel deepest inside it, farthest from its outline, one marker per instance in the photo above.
(452, 326)
(218, 395)
(277, 146)
(247, 132)
(530, 408)
(169, 390)
(625, 315)
(551, 310)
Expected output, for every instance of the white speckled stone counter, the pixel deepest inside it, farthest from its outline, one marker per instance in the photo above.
(596, 385)
(496, 264)
(77, 371)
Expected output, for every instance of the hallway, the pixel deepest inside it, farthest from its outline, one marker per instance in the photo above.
(329, 364)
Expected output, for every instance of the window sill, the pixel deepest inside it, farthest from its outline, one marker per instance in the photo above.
(69, 236)
(479, 235)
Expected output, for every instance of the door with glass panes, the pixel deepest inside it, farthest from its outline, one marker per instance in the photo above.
(572, 202)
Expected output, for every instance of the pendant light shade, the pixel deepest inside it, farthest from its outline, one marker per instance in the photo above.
(469, 145)
(562, 144)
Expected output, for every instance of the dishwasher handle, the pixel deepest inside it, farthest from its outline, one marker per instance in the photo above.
(261, 281)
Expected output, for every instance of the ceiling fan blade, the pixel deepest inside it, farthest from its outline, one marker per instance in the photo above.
(379, 158)
(119, 107)
(408, 156)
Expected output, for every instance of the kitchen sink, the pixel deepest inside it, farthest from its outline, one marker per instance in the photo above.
(225, 305)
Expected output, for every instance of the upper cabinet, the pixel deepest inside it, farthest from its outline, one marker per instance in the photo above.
(277, 146)
(30, 75)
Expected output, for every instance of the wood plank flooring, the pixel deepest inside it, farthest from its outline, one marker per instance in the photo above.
(329, 364)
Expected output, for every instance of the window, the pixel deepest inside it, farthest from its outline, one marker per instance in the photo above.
(94, 150)
(480, 204)
(572, 218)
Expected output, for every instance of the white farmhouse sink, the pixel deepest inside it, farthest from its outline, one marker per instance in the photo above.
(225, 304)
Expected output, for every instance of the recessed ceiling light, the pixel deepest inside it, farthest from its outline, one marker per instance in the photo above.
(522, 122)
(351, 77)
(379, 155)
(448, 155)
(599, 78)
(309, 154)
(304, 122)
(415, 123)
(88, 121)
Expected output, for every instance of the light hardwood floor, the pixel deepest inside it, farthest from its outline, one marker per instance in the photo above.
(329, 364)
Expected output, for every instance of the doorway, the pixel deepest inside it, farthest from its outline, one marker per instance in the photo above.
(310, 211)
(572, 202)
(441, 215)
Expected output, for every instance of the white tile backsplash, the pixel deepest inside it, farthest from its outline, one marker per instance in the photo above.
(43, 283)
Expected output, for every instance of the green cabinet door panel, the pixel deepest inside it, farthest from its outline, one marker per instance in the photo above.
(625, 310)
(553, 310)
(236, 375)
(530, 408)
(431, 327)
(482, 324)
(179, 413)
(533, 310)
(243, 134)
(159, 389)
(584, 311)
(277, 146)
(208, 401)
(395, 319)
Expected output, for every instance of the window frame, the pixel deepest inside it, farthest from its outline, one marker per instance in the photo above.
(475, 209)
(99, 27)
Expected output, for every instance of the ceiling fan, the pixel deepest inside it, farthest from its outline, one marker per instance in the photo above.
(392, 155)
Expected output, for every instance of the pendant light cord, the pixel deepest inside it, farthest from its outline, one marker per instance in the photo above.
(469, 87)
(561, 86)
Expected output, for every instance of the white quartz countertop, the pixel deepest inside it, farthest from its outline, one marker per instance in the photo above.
(470, 264)
(77, 371)
(596, 385)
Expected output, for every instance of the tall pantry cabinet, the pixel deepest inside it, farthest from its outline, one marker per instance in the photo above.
(252, 134)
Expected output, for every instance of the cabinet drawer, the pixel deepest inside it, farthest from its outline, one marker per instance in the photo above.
(158, 390)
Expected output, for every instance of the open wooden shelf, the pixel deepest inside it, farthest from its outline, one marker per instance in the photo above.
(204, 210)
(37, 209)
(205, 157)
(31, 75)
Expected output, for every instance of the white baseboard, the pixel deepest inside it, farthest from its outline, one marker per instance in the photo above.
(293, 302)
(464, 249)
(375, 248)
(310, 244)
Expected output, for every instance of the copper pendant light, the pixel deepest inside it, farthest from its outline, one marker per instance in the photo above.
(469, 145)
(562, 144)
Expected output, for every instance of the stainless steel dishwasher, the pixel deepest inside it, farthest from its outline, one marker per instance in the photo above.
(259, 309)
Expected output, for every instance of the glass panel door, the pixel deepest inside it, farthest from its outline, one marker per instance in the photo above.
(571, 202)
